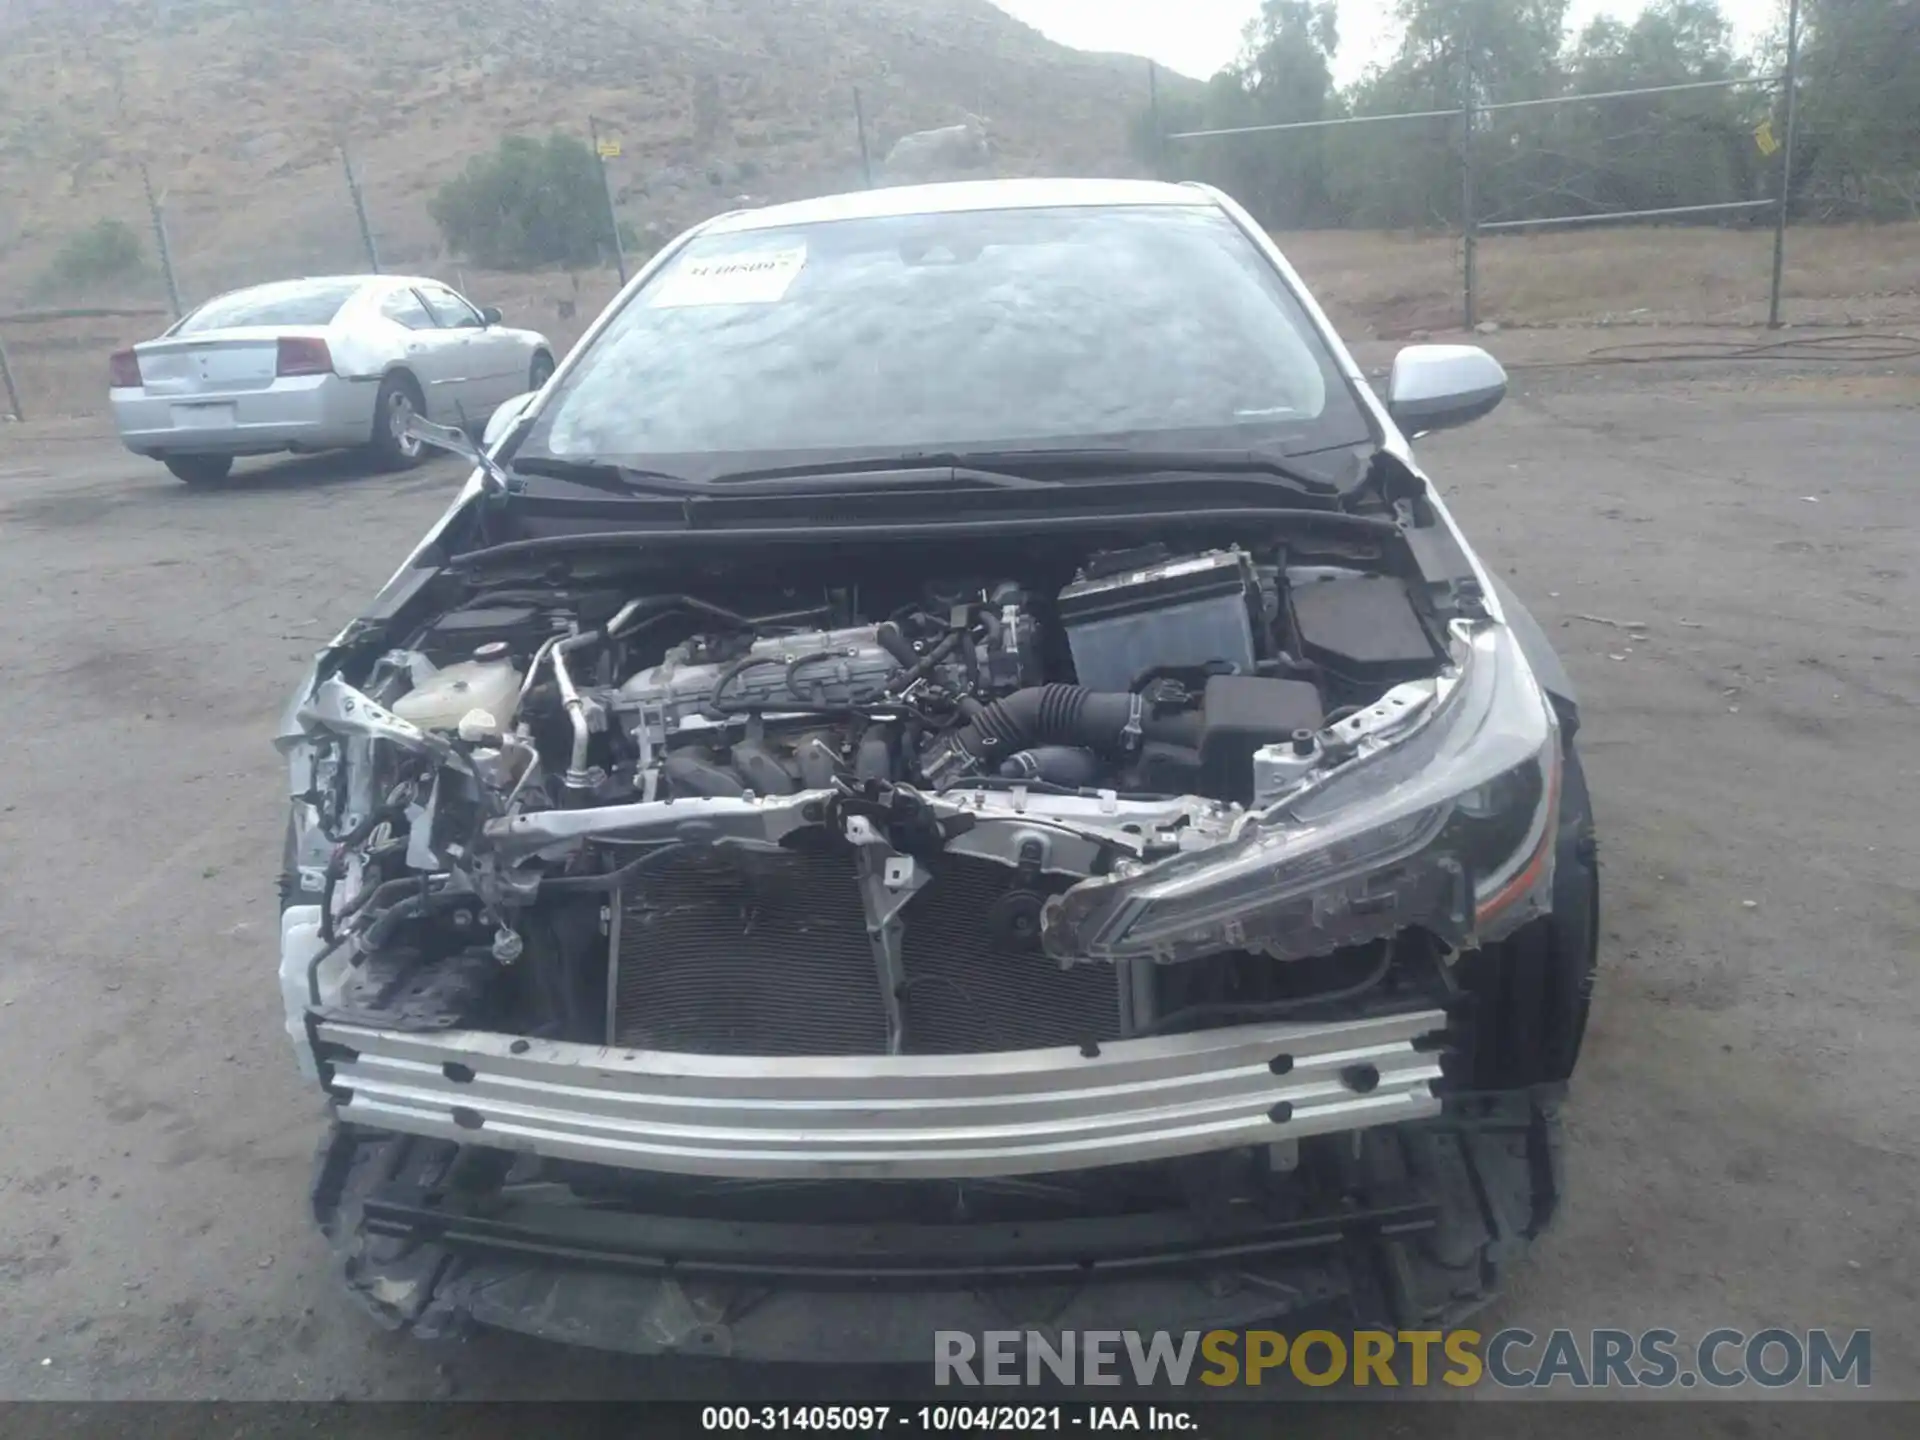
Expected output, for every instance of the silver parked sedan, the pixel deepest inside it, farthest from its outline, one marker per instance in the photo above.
(326, 363)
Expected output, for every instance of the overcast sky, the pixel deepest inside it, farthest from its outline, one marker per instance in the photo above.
(1199, 36)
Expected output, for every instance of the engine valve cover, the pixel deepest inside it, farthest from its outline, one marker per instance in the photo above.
(821, 667)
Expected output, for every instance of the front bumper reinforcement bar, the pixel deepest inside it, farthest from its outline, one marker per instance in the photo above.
(887, 1117)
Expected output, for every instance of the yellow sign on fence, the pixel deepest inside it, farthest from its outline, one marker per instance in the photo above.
(1763, 137)
(609, 149)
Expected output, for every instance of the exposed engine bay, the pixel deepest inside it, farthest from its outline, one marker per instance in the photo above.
(893, 816)
(1148, 674)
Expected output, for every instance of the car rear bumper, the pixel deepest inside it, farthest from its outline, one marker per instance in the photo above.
(1407, 1226)
(887, 1117)
(305, 412)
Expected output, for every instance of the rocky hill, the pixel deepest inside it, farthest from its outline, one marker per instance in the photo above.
(238, 108)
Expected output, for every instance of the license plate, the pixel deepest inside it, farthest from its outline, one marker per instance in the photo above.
(203, 417)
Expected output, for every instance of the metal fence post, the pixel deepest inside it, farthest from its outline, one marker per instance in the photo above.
(6, 378)
(860, 124)
(360, 211)
(1789, 82)
(606, 186)
(1159, 129)
(160, 241)
(1469, 202)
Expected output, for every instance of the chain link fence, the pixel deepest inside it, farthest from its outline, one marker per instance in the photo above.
(1493, 167)
(1641, 172)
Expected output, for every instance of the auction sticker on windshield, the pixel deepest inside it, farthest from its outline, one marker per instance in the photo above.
(758, 278)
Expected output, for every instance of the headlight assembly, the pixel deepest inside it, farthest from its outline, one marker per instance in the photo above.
(1450, 829)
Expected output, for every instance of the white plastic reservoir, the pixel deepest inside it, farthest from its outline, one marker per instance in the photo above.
(445, 697)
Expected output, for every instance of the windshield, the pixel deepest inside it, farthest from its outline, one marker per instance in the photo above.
(1152, 326)
(297, 302)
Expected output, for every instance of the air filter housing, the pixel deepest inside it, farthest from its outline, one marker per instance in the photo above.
(1190, 610)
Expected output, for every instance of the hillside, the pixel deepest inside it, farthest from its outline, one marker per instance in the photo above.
(237, 107)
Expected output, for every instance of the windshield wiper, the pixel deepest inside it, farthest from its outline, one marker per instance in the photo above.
(1111, 461)
(612, 477)
(1038, 469)
(888, 474)
(608, 477)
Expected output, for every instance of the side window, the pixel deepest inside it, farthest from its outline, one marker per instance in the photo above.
(404, 307)
(449, 309)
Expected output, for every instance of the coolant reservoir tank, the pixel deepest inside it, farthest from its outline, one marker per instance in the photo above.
(487, 682)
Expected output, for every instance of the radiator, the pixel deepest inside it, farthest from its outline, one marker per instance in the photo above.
(747, 954)
(965, 994)
(734, 953)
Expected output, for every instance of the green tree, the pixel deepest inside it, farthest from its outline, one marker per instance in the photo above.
(1512, 48)
(105, 251)
(1859, 121)
(1409, 173)
(528, 204)
(1397, 173)
(1285, 76)
(1282, 75)
(1640, 152)
(1858, 137)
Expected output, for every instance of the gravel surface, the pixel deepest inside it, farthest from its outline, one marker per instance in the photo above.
(1741, 1142)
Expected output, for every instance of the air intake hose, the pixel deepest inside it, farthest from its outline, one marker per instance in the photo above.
(1067, 765)
(1109, 723)
(1053, 715)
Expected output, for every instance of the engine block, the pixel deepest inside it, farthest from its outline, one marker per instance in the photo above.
(820, 667)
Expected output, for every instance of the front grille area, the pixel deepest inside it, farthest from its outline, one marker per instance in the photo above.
(966, 993)
(733, 953)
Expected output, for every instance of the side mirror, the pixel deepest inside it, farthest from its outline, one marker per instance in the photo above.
(1435, 387)
(490, 315)
(504, 419)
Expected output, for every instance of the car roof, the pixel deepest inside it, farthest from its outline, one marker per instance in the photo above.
(960, 195)
(361, 281)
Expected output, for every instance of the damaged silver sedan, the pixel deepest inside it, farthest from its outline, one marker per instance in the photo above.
(949, 770)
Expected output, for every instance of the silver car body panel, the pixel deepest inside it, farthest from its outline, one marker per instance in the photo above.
(215, 392)
(888, 1117)
(298, 412)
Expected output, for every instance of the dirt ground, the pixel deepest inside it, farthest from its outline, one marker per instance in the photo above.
(1741, 1142)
